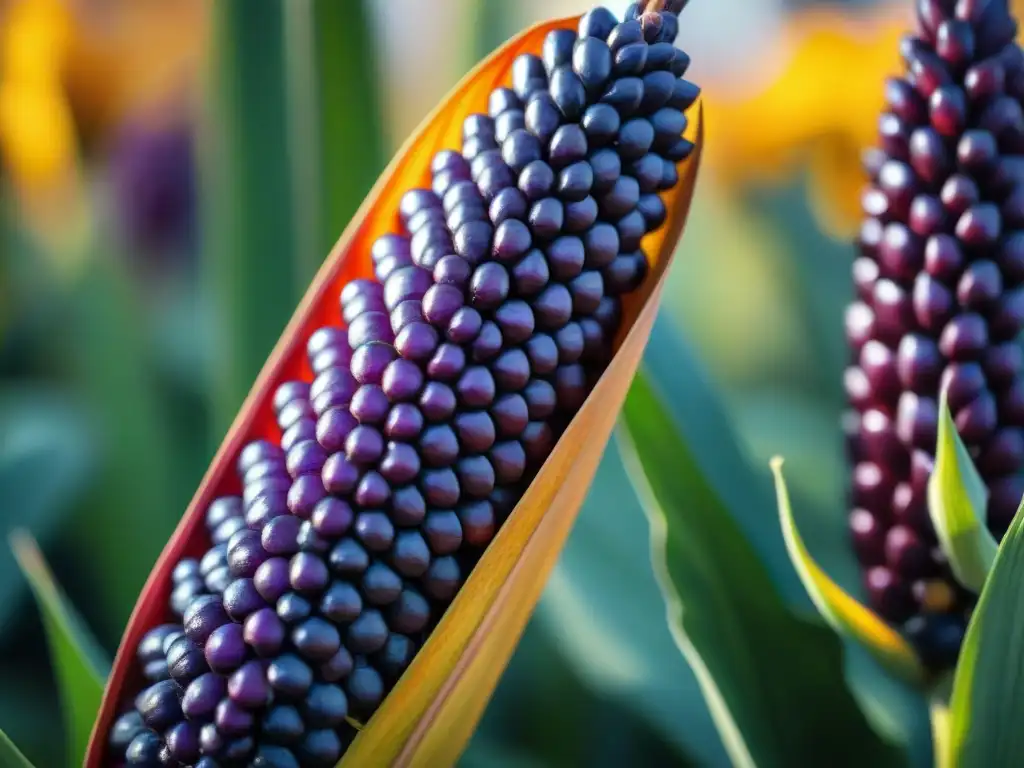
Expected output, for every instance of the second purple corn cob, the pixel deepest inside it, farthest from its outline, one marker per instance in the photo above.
(940, 302)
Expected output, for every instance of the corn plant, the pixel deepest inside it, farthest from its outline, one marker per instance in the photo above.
(359, 562)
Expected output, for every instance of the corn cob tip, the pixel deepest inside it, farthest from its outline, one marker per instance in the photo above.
(664, 6)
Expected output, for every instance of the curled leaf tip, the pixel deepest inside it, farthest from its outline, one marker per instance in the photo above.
(30, 558)
(843, 612)
(956, 504)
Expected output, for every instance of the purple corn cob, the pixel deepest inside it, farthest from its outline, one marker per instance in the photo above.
(435, 400)
(940, 303)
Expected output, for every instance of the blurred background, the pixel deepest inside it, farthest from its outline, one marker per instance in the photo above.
(173, 174)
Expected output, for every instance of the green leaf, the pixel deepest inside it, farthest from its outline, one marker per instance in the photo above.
(548, 714)
(987, 705)
(605, 615)
(139, 492)
(734, 449)
(819, 282)
(489, 24)
(10, 755)
(302, 125)
(702, 419)
(774, 682)
(351, 127)
(956, 503)
(78, 663)
(250, 246)
(844, 613)
(45, 459)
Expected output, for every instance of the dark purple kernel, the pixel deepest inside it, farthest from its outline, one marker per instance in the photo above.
(440, 487)
(528, 74)
(442, 579)
(607, 167)
(510, 203)
(625, 95)
(568, 93)
(557, 48)
(580, 215)
(367, 634)
(271, 579)
(465, 325)
(348, 558)
(531, 274)
(374, 530)
(241, 598)
(546, 217)
(542, 116)
(339, 475)
(487, 343)
(407, 506)
(505, 124)
(264, 632)
(475, 429)
(447, 362)
(404, 422)
(568, 146)
(437, 402)
(511, 240)
(293, 608)
(202, 617)
(443, 532)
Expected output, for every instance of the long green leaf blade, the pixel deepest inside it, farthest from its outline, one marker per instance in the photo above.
(136, 494)
(956, 503)
(249, 235)
(77, 660)
(10, 755)
(302, 123)
(987, 705)
(671, 365)
(773, 682)
(351, 127)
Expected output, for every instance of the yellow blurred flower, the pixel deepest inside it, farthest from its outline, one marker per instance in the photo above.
(37, 137)
(820, 110)
(74, 68)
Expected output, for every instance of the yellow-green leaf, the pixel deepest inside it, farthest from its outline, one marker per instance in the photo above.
(987, 706)
(956, 503)
(846, 615)
(77, 660)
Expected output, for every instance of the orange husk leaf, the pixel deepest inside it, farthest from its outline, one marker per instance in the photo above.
(429, 716)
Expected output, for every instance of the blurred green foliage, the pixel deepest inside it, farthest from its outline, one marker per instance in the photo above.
(77, 660)
(120, 386)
